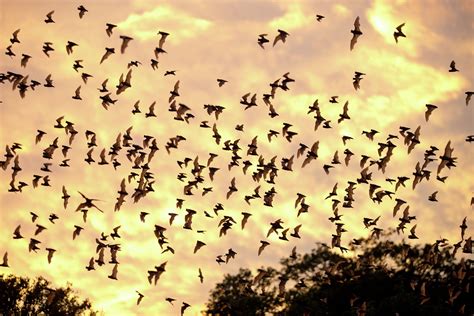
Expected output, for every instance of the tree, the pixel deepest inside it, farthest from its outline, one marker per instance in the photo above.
(22, 296)
(235, 295)
(382, 277)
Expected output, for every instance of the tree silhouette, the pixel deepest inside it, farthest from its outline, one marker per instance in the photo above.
(22, 296)
(381, 277)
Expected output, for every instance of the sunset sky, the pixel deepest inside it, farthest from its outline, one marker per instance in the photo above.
(218, 39)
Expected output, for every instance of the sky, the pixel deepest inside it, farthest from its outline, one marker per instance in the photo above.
(218, 39)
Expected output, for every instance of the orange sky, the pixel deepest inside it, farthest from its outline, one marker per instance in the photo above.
(218, 39)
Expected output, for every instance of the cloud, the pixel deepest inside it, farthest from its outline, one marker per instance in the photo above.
(385, 16)
(341, 10)
(294, 18)
(146, 25)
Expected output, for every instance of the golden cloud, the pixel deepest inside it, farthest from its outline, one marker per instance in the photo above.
(164, 17)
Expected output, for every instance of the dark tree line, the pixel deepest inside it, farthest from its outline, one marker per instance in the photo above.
(23, 296)
(382, 278)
